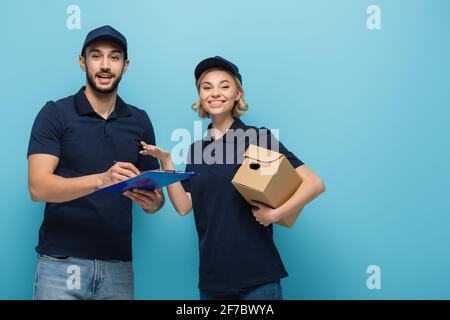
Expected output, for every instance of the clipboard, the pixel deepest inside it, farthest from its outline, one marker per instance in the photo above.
(149, 180)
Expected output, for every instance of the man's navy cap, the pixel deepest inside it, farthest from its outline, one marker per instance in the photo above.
(108, 33)
(216, 62)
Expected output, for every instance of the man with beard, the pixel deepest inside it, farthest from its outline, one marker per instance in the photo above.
(77, 145)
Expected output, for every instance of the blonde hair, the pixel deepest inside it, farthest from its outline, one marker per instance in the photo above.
(240, 106)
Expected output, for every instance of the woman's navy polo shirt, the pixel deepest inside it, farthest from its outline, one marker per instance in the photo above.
(235, 250)
(97, 226)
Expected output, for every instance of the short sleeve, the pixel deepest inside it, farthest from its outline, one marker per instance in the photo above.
(146, 162)
(272, 143)
(46, 132)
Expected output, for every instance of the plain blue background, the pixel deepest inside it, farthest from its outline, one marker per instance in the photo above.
(367, 110)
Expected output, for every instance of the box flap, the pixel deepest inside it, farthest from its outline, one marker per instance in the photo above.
(263, 155)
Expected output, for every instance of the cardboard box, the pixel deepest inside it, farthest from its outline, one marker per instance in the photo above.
(268, 177)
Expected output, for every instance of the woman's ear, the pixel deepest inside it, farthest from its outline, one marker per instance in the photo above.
(239, 96)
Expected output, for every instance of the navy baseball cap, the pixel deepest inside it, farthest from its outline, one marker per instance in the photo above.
(108, 33)
(216, 62)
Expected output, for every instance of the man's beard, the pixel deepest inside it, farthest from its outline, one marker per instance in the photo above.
(93, 85)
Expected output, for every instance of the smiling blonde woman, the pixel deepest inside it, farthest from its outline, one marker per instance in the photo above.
(238, 257)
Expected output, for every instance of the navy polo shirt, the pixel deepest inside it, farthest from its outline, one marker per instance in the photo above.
(235, 250)
(96, 226)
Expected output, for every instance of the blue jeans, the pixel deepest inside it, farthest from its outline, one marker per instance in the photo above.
(267, 291)
(68, 278)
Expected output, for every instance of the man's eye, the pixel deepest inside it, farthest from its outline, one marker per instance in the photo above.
(206, 88)
(95, 56)
(115, 58)
(225, 87)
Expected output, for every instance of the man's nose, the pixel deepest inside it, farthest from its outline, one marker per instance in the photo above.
(105, 64)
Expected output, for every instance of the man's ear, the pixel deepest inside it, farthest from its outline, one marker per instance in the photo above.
(82, 63)
(125, 65)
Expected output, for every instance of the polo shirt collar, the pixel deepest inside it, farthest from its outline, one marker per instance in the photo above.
(84, 107)
(237, 124)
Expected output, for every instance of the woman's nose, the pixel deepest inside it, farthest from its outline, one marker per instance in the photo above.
(215, 92)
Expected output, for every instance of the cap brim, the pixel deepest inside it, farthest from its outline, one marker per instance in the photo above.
(212, 63)
(106, 37)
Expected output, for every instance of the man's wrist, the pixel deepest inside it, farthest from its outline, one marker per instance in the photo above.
(98, 181)
(157, 207)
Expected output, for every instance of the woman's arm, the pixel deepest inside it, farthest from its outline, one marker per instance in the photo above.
(309, 189)
(180, 199)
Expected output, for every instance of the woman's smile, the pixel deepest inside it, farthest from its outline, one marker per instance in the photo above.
(216, 102)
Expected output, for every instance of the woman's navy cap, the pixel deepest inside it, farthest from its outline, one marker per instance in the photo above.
(216, 62)
(108, 33)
